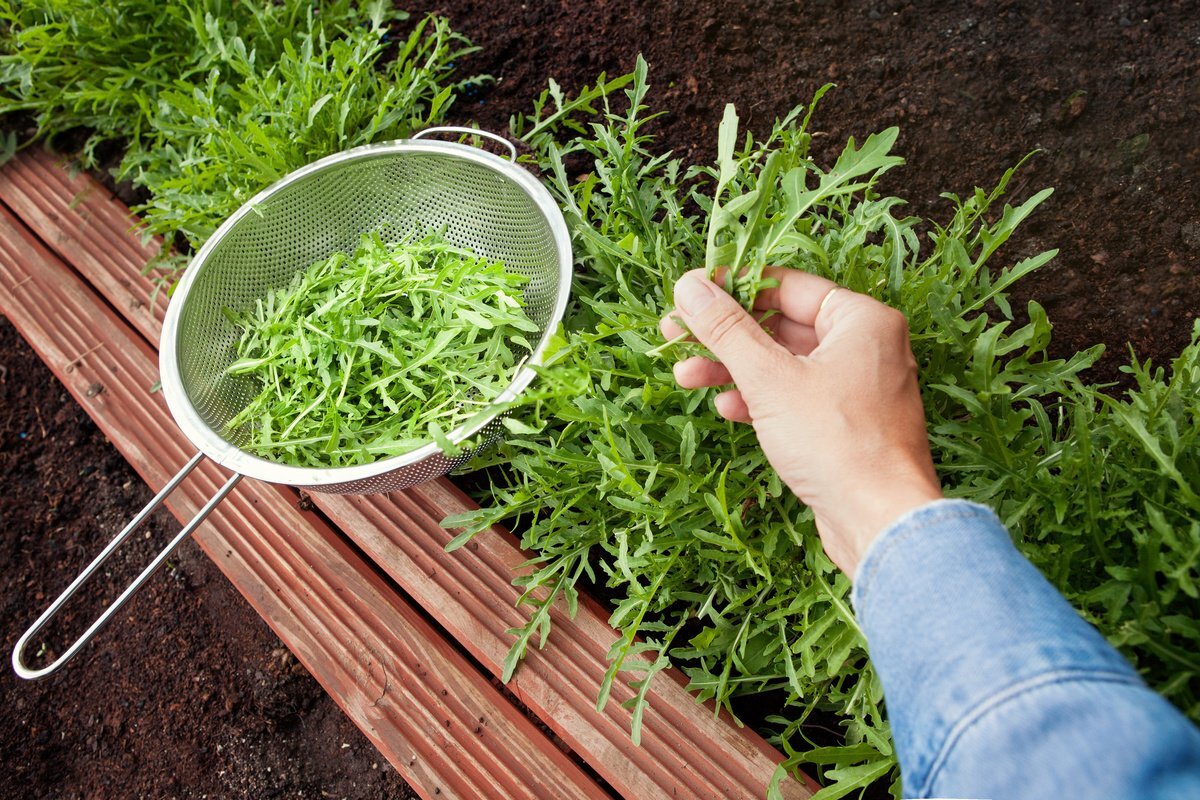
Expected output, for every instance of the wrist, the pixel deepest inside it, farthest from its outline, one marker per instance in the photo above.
(869, 513)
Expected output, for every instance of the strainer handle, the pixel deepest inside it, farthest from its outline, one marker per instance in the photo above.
(18, 652)
(495, 137)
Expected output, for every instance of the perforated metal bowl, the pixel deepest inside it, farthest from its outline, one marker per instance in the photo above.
(476, 199)
(479, 200)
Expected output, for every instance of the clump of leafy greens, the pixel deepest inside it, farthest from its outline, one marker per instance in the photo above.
(375, 354)
(631, 481)
(216, 99)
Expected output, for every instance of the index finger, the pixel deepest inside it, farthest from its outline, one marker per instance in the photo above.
(797, 297)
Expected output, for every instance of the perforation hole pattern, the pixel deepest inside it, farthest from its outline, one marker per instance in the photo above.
(396, 192)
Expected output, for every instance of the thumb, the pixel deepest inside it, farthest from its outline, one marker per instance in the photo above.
(723, 326)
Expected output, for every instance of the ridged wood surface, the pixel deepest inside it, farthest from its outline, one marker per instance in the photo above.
(423, 704)
(686, 751)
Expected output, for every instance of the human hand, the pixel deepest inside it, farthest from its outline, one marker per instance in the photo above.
(831, 392)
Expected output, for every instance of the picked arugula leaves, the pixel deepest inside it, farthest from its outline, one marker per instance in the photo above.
(374, 354)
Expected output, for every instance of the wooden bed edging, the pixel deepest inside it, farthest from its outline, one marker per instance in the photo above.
(685, 751)
(428, 710)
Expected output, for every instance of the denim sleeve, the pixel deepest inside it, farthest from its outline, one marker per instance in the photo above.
(995, 686)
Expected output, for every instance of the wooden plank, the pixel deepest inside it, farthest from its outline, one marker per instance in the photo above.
(83, 223)
(440, 722)
(686, 751)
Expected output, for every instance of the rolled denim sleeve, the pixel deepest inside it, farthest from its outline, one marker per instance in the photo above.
(995, 686)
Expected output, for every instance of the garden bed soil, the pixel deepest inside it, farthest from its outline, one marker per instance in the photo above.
(189, 694)
(1107, 93)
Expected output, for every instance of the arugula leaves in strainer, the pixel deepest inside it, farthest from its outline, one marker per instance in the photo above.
(375, 354)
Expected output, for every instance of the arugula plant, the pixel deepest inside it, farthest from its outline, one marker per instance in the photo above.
(625, 479)
(375, 354)
(217, 99)
(216, 143)
(101, 66)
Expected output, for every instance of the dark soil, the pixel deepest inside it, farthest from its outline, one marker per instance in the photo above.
(1108, 92)
(190, 694)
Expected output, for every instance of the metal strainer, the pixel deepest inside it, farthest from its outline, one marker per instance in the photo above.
(476, 199)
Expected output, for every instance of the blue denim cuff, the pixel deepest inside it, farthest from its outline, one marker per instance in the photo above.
(908, 523)
(956, 620)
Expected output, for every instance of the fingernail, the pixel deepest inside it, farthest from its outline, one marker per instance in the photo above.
(693, 294)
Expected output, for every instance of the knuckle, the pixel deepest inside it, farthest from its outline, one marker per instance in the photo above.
(726, 325)
(893, 322)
